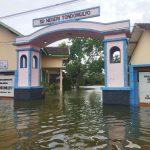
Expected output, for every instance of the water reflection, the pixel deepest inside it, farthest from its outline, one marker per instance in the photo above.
(75, 120)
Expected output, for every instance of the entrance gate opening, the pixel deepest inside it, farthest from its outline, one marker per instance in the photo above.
(113, 34)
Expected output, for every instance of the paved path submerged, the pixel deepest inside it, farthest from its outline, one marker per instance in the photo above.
(91, 87)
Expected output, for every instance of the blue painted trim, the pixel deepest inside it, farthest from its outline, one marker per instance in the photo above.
(99, 23)
(28, 49)
(33, 87)
(116, 88)
(115, 40)
(29, 67)
(134, 97)
(105, 62)
(131, 85)
(134, 119)
(134, 101)
(125, 63)
(141, 65)
(16, 79)
(124, 59)
(17, 71)
(73, 29)
(39, 67)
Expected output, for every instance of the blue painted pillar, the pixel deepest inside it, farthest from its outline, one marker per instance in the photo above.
(28, 73)
(116, 74)
(116, 90)
(105, 61)
(134, 86)
(125, 62)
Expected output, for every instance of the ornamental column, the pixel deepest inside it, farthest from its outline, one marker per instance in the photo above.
(28, 73)
(116, 90)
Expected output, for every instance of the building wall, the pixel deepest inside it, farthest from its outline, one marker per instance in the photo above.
(48, 62)
(141, 54)
(7, 51)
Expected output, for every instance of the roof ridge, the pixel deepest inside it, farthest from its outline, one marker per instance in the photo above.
(145, 26)
(10, 28)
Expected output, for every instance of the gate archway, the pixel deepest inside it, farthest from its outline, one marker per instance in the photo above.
(113, 34)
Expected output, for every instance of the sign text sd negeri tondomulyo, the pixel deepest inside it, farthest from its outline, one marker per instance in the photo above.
(76, 15)
(68, 16)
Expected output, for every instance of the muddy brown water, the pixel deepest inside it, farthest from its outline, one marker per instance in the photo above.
(75, 120)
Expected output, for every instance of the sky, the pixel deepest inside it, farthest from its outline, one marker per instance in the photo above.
(111, 10)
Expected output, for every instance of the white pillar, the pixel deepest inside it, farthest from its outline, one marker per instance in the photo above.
(61, 81)
(48, 76)
(40, 75)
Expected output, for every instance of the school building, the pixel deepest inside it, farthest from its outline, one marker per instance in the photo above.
(52, 59)
(139, 64)
(25, 62)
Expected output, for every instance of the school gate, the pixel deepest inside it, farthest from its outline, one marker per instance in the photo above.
(115, 38)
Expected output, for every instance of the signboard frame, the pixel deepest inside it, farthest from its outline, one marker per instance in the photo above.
(65, 20)
(144, 84)
(7, 85)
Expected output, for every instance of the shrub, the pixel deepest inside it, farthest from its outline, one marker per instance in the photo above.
(49, 88)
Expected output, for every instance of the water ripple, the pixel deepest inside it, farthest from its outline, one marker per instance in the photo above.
(77, 120)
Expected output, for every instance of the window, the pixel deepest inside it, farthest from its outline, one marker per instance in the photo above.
(35, 62)
(23, 61)
(115, 55)
(3, 64)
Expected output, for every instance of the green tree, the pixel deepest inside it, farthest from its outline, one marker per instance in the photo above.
(85, 49)
(85, 64)
(75, 72)
(63, 45)
(94, 74)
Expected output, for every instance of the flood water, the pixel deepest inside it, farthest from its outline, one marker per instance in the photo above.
(75, 120)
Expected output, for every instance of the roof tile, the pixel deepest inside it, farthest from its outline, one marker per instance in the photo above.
(56, 51)
(145, 26)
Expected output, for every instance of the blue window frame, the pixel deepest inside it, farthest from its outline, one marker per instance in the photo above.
(23, 61)
(115, 55)
(35, 62)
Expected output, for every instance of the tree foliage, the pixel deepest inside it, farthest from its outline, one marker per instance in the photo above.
(85, 63)
(63, 45)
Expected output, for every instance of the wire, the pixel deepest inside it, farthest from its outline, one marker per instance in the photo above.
(38, 9)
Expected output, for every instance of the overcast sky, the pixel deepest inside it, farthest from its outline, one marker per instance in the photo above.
(111, 10)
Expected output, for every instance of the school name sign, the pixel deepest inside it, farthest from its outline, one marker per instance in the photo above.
(72, 16)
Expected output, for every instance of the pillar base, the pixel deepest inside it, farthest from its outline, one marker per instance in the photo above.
(29, 93)
(116, 96)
